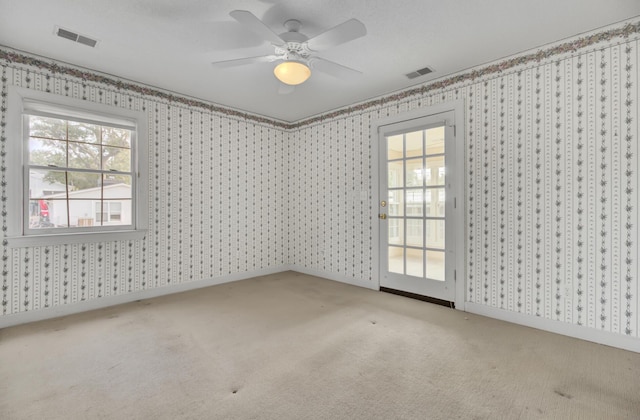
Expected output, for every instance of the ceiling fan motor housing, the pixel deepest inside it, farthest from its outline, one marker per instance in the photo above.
(293, 51)
(295, 47)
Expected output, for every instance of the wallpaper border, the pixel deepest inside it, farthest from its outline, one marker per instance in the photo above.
(478, 72)
(11, 56)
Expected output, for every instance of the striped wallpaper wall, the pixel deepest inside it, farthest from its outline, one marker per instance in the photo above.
(551, 178)
(216, 204)
(551, 190)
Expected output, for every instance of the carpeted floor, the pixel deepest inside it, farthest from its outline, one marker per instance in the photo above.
(292, 346)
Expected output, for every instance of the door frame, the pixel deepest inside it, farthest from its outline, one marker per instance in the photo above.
(458, 183)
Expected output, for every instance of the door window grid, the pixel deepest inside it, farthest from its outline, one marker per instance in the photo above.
(432, 181)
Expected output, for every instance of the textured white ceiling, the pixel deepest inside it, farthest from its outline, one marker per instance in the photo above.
(170, 44)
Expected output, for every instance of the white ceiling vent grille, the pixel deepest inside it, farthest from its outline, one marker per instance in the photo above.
(72, 36)
(420, 72)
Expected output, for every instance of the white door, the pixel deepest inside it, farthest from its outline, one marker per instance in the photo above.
(416, 206)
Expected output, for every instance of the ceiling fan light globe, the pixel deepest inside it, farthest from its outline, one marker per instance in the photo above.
(292, 72)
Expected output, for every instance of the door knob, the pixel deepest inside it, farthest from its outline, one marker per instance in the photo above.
(382, 216)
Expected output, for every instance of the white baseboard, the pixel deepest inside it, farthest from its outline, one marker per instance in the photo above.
(336, 277)
(571, 330)
(74, 308)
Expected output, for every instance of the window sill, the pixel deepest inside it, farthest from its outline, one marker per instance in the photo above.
(74, 238)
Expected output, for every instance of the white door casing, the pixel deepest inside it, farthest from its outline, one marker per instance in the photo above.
(420, 239)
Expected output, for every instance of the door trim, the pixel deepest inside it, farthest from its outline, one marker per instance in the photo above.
(459, 181)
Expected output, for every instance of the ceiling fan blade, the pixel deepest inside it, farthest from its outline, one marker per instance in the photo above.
(345, 32)
(285, 89)
(244, 61)
(256, 25)
(333, 69)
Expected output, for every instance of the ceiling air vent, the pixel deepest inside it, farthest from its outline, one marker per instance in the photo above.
(419, 73)
(72, 36)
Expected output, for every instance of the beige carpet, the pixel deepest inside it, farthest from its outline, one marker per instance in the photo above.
(291, 346)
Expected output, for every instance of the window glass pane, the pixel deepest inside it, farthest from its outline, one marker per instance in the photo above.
(414, 199)
(47, 152)
(116, 212)
(435, 233)
(50, 128)
(414, 232)
(414, 143)
(84, 185)
(47, 214)
(81, 213)
(99, 214)
(434, 173)
(395, 175)
(84, 132)
(117, 186)
(116, 159)
(394, 147)
(86, 221)
(435, 140)
(84, 156)
(116, 137)
(435, 201)
(396, 259)
(414, 172)
(435, 265)
(396, 231)
(47, 184)
(40, 214)
(414, 262)
(396, 203)
(104, 214)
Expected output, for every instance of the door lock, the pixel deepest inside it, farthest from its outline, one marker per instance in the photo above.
(383, 203)
(382, 216)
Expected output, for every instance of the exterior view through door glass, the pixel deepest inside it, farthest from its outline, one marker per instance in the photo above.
(413, 209)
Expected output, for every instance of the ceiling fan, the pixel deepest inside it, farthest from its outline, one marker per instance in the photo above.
(296, 51)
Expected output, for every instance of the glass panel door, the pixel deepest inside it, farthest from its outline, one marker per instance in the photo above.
(414, 209)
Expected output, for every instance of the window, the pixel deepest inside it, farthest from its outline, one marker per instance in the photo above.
(81, 162)
(82, 170)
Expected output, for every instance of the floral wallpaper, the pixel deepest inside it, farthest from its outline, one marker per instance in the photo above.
(550, 172)
(216, 194)
(551, 177)
(552, 195)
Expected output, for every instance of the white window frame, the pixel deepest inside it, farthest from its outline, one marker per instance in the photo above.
(23, 101)
(39, 110)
